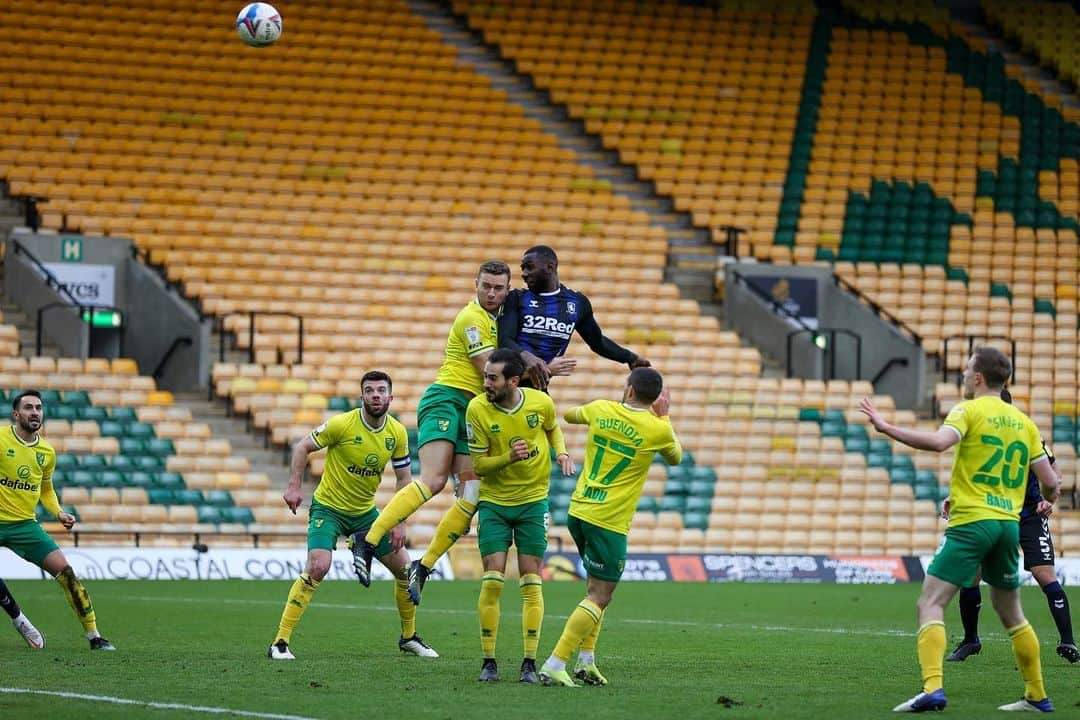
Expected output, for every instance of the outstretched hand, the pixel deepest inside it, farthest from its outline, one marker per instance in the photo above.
(292, 497)
(662, 403)
(562, 366)
(867, 408)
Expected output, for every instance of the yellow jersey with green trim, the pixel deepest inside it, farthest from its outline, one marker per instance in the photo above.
(355, 457)
(491, 429)
(23, 468)
(997, 445)
(474, 331)
(621, 444)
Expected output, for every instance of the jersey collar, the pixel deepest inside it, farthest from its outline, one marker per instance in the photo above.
(514, 409)
(364, 421)
(37, 438)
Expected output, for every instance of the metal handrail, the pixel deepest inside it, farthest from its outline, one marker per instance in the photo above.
(252, 315)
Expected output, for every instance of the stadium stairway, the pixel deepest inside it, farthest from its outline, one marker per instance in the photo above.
(692, 257)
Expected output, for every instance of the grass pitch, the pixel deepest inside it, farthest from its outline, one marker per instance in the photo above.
(669, 650)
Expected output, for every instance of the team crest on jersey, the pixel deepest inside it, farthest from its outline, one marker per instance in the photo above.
(444, 425)
(533, 419)
(390, 443)
(40, 458)
(571, 307)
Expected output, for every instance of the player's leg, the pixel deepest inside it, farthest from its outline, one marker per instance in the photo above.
(1038, 549)
(603, 553)
(494, 536)
(457, 519)
(31, 634)
(440, 433)
(57, 565)
(302, 590)
(397, 562)
(530, 538)
(970, 602)
(1001, 570)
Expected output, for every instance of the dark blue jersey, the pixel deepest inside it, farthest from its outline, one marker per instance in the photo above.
(543, 323)
(1034, 491)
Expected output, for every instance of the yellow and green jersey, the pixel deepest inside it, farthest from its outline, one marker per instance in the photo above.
(474, 331)
(491, 429)
(620, 447)
(23, 469)
(355, 457)
(997, 445)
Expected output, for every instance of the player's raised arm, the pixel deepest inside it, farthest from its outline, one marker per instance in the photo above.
(293, 496)
(574, 416)
(938, 440)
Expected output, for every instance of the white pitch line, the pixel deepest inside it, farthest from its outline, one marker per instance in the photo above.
(636, 621)
(151, 704)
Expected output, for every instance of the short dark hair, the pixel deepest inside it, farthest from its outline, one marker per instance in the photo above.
(1006, 396)
(376, 376)
(647, 384)
(512, 364)
(994, 366)
(494, 267)
(544, 251)
(15, 401)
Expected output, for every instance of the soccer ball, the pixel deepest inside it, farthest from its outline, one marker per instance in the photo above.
(259, 24)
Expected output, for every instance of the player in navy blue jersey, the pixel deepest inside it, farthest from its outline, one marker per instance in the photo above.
(1037, 546)
(539, 321)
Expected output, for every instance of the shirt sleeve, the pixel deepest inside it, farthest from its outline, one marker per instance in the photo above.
(474, 431)
(957, 420)
(471, 329)
(672, 452)
(400, 457)
(329, 432)
(509, 321)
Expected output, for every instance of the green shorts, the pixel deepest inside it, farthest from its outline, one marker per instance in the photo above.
(989, 544)
(500, 526)
(440, 415)
(602, 551)
(28, 540)
(326, 525)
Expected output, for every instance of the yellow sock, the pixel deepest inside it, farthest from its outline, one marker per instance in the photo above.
(404, 503)
(406, 609)
(451, 527)
(488, 605)
(78, 599)
(532, 612)
(1026, 649)
(299, 597)
(931, 642)
(589, 643)
(578, 627)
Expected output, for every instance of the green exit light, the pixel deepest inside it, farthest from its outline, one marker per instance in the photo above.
(102, 318)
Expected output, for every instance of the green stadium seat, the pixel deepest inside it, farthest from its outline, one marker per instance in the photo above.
(111, 478)
(697, 504)
(76, 398)
(59, 479)
(831, 428)
(339, 404)
(140, 479)
(92, 462)
(149, 463)
(902, 475)
(170, 480)
(61, 412)
(678, 473)
(219, 498)
(208, 514)
(242, 515)
(91, 412)
(50, 398)
(687, 458)
(879, 460)
(559, 516)
(856, 444)
(676, 486)
(160, 447)
(122, 463)
(703, 473)
(647, 503)
(701, 488)
(111, 428)
(131, 446)
(123, 414)
(66, 461)
(810, 415)
(672, 503)
(696, 521)
(161, 496)
(82, 478)
(880, 445)
(189, 497)
(140, 430)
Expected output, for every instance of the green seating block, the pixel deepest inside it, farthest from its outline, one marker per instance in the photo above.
(189, 497)
(140, 430)
(76, 398)
(647, 503)
(131, 446)
(673, 503)
(123, 414)
(242, 515)
(160, 447)
(698, 504)
(123, 463)
(208, 514)
(112, 428)
(111, 478)
(92, 462)
(161, 496)
(696, 521)
(91, 412)
(219, 498)
(169, 480)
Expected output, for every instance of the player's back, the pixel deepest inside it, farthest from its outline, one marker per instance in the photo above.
(621, 444)
(473, 331)
(992, 461)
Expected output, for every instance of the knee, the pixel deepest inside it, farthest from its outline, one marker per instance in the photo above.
(317, 569)
(435, 483)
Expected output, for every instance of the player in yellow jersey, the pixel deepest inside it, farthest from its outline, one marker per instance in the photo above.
(623, 439)
(440, 415)
(26, 468)
(31, 634)
(512, 431)
(359, 444)
(997, 445)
